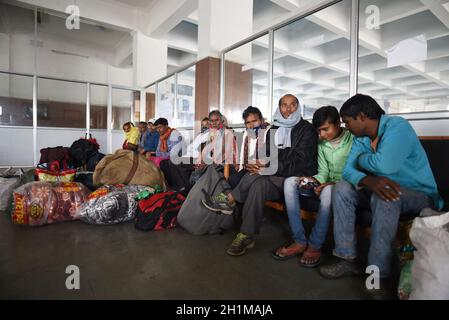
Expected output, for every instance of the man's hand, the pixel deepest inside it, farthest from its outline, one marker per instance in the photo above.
(321, 187)
(252, 168)
(374, 143)
(385, 188)
(255, 168)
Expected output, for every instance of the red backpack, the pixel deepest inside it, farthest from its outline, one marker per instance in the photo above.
(159, 211)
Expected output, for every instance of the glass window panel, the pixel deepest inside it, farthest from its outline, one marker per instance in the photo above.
(151, 102)
(123, 104)
(311, 59)
(61, 104)
(17, 45)
(246, 79)
(404, 54)
(98, 107)
(186, 98)
(166, 100)
(136, 107)
(16, 100)
(92, 52)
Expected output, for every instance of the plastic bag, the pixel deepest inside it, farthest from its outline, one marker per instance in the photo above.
(7, 186)
(405, 281)
(430, 276)
(52, 176)
(40, 203)
(111, 204)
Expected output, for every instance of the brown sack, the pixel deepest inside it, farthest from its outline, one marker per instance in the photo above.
(127, 167)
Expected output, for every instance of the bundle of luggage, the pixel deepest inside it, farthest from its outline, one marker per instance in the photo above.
(111, 204)
(9, 180)
(39, 203)
(80, 183)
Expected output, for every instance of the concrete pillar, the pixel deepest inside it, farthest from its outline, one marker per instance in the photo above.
(221, 24)
(149, 59)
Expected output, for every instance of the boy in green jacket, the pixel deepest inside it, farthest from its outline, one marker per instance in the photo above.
(333, 149)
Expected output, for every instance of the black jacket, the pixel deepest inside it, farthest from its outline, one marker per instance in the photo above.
(301, 158)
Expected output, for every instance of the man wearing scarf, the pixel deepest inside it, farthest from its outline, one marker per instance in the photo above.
(168, 138)
(296, 143)
(254, 139)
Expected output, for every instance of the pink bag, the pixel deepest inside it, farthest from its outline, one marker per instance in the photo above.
(157, 160)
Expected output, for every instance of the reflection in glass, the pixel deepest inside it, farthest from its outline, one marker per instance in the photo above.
(61, 104)
(16, 100)
(404, 55)
(311, 59)
(246, 79)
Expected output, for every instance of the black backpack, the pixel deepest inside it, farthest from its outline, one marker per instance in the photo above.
(81, 151)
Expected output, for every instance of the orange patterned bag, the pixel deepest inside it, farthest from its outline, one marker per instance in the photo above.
(40, 203)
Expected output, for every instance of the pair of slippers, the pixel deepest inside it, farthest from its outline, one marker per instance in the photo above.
(313, 255)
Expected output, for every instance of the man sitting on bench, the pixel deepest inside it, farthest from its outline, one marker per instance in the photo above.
(295, 143)
(387, 171)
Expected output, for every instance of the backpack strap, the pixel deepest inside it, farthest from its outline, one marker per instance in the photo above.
(133, 170)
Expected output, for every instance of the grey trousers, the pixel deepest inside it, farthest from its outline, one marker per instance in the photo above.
(253, 191)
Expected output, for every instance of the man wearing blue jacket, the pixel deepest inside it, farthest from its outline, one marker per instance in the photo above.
(387, 171)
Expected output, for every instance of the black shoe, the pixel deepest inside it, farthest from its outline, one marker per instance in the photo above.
(241, 243)
(341, 268)
(385, 291)
(217, 203)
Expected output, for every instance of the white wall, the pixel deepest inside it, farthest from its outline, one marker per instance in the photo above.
(102, 139)
(16, 147)
(431, 127)
(56, 137)
(117, 140)
(4, 51)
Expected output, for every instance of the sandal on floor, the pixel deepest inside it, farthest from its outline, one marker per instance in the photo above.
(288, 252)
(311, 258)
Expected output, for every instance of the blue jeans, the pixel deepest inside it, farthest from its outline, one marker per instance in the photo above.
(385, 219)
(293, 204)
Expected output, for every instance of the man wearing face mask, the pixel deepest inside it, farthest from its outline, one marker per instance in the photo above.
(296, 145)
(254, 137)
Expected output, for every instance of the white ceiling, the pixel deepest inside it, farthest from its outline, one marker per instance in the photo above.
(312, 55)
(137, 3)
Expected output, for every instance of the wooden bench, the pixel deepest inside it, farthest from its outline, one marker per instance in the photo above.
(438, 167)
